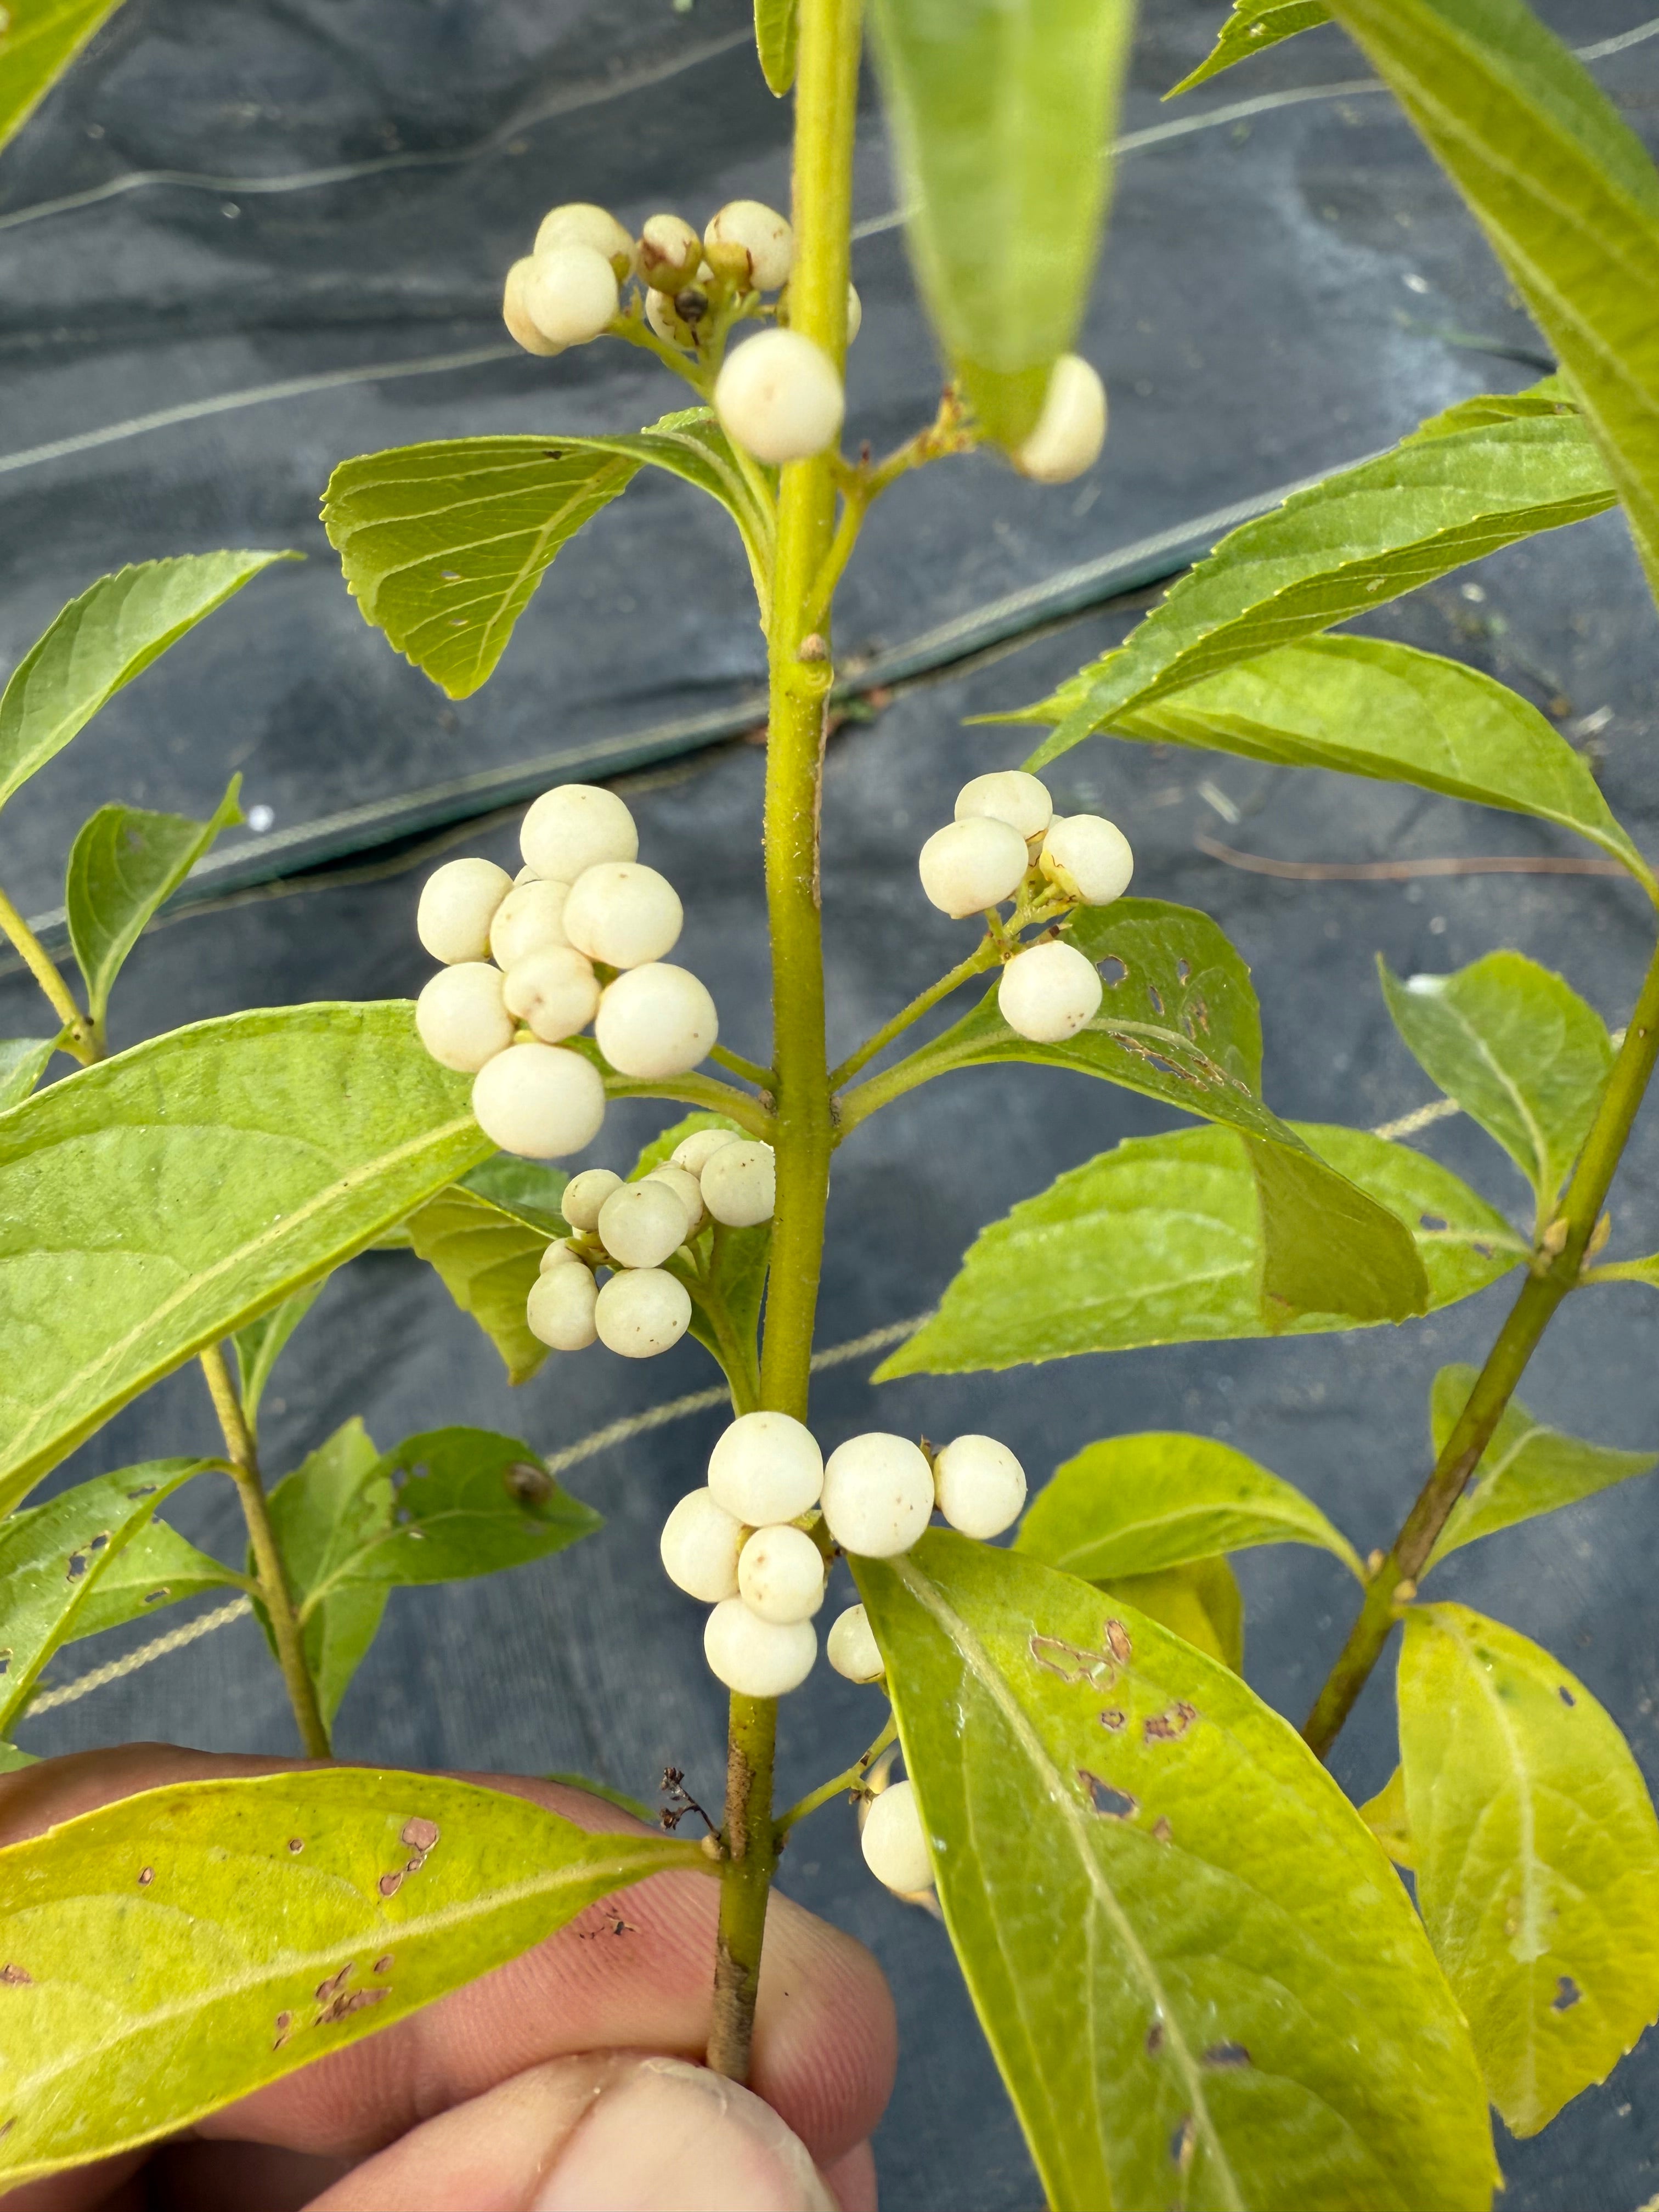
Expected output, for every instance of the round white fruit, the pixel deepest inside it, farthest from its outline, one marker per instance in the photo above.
(851, 1647)
(557, 1254)
(698, 1149)
(643, 1313)
(740, 1183)
(539, 1100)
(553, 992)
(766, 1467)
(559, 1310)
(656, 1020)
(895, 1842)
(1071, 427)
(755, 1657)
(749, 244)
(663, 318)
(574, 827)
(779, 397)
(460, 1018)
(623, 914)
(1089, 858)
(459, 902)
(571, 295)
(973, 864)
(685, 1188)
(980, 1485)
(516, 315)
(578, 222)
(781, 1574)
(1048, 992)
(528, 920)
(1009, 795)
(669, 253)
(878, 1495)
(585, 1194)
(700, 1545)
(641, 1224)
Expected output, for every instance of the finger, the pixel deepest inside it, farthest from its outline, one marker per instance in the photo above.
(852, 2179)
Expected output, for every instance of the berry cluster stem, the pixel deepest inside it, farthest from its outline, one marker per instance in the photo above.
(826, 105)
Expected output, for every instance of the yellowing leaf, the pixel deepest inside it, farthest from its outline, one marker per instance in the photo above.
(1199, 1601)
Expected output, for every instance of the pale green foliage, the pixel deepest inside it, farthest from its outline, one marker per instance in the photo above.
(1253, 26)
(1385, 1816)
(777, 34)
(1199, 1601)
(1520, 1052)
(1129, 1506)
(187, 1945)
(443, 544)
(1537, 1858)
(315, 1126)
(1002, 114)
(23, 1063)
(1527, 1470)
(486, 1257)
(1185, 1836)
(259, 1346)
(124, 864)
(156, 1568)
(38, 40)
(322, 1515)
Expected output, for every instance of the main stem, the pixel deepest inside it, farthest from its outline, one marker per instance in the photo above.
(826, 105)
(274, 1593)
(1554, 1273)
(78, 1036)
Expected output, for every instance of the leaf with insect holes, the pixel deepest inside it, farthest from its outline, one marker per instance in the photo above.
(100, 641)
(159, 1202)
(1526, 1469)
(488, 1258)
(1199, 1601)
(443, 544)
(777, 37)
(1217, 1991)
(156, 1568)
(38, 39)
(124, 865)
(1001, 113)
(1537, 1858)
(173, 1952)
(1253, 26)
(261, 1344)
(1520, 1052)
(1130, 1505)
(1160, 1242)
(23, 1063)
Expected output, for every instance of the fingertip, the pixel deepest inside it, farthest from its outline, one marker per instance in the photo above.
(851, 2180)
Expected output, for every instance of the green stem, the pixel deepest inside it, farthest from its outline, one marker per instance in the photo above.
(1554, 1273)
(78, 1036)
(984, 955)
(750, 1070)
(698, 1091)
(273, 1590)
(838, 1785)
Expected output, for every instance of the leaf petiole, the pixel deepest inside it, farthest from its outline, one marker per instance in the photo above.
(79, 1037)
(839, 1785)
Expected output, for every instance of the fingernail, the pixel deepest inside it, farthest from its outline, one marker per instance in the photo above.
(672, 2135)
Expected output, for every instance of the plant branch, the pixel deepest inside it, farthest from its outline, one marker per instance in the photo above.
(839, 1783)
(750, 1070)
(1556, 1269)
(698, 1091)
(79, 1037)
(272, 1591)
(985, 954)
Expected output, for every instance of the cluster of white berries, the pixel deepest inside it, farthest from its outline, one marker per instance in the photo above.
(1005, 826)
(523, 957)
(632, 1228)
(754, 1543)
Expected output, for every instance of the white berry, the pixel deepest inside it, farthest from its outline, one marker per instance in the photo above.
(555, 991)
(669, 253)
(779, 397)
(878, 1495)
(641, 1224)
(750, 244)
(1048, 992)
(528, 920)
(573, 827)
(851, 1647)
(1088, 857)
(1008, 795)
(585, 1194)
(559, 1310)
(755, 1657)
(700, 1545)
(460, 1018)
(578, 222)
(980, 1485)
(622, 914)
(686, 1189)
(664, 319)
(539, 1100)
(971, 864)
(656, 1020)
(516, 315)
(1071, 427)
(740, 1183)
(781, 1574)
(558, 1254)
(696, 1151)
(895, 1842)
(458, 904)
(571, 294)
(643, 1312)
(766, 1467)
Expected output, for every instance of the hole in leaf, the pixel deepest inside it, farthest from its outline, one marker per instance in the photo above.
(144, 1489)
(15, 1977)
(99, 1541)
(75, 1566)
(1226, 2054)
(1118, 1644)
(1433, 1221)
(1107, 966)
(1182, 2142)
(1112, 1718)
(1156, 998)
(1165, 1727)
(1110, 1804)
(1567, 1993)
(146, 1875)
(1183, 970)
(1155, 2038)
(1565, 1694)
(155, 1596)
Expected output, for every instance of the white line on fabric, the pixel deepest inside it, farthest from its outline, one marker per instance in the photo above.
(117, 1669)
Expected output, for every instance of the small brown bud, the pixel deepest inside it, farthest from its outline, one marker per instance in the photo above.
(814, 647)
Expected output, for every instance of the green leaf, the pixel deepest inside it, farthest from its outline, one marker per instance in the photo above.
(1253, 26)
(161, 1200)
(633, 1805)
(1133, 1505)
(1537, 1858)
(335, 1501)
(124, 864)
(1001, 113)
(23, 1063)
(1362, 537)
(1520, 1052)
(777, 34)
(260, 1345)
(174, 1950)
(527, 1188)
(1385, 1816)
(1199, 1601)
(38, 39)
(488, 1258)
(102, 640)
(157, 1567)
(51, 1557)
(1201, 1981)
(1526, 1469)
(12, 1760)
(1365, 706)
(443, 544)
(1160, 1242)
(1565, 193)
